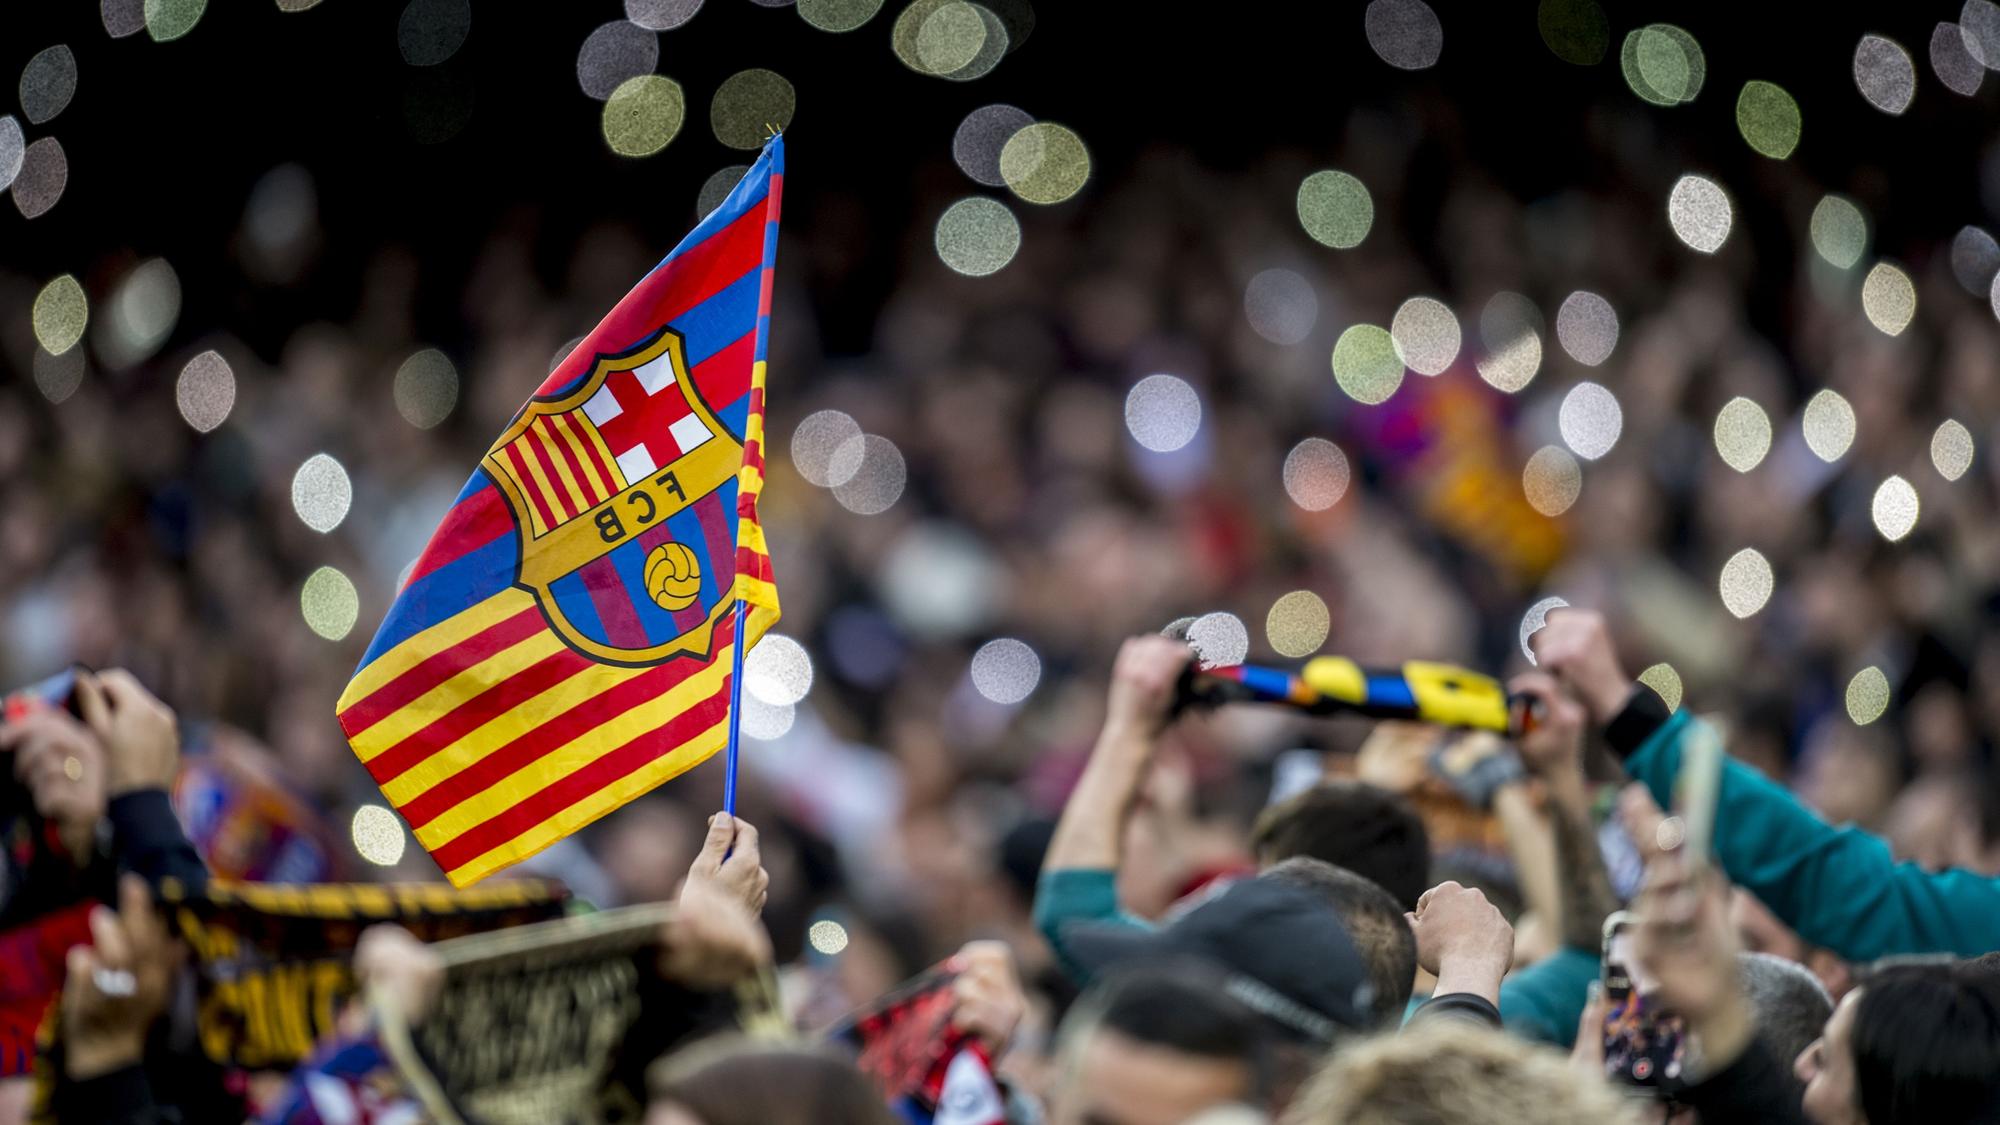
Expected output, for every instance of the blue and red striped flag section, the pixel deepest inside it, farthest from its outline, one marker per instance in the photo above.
(565, 641)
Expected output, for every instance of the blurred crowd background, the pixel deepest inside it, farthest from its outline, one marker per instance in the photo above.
(386, 296)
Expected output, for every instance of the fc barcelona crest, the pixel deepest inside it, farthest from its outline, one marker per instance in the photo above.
(623, 491)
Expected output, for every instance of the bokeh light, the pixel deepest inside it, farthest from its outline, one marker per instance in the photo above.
(838, 15)
(980, 138)
(878, 477)
(1219, 639)
(777, 670)
(767, 722)
(432, 31)
(141, 314)
(1162, 413)
(1533, 621)
(13, 150)
(43, 175)
(426, 388)
(1885, 74)
(613, 54)
(1513, 366)
(826, 936)
(58, 376)
(1829, 425)
(821, 448)
(977, 236)
(1979, 29)
(378, 835)
(1590, 420)
(1335, 209)
(1044, 163)
(1316, 474)
(1894, 508)
(1768, 118)
(950, 36)
(1954, 66)
(1889, 298)
(1552, 480)
(1663, 64)
(1867, 696)
(1839, 231)
(1281, 306)
(205, 391)
(1746, 582)
(1576, 30)
(1698, 210)
(321, 493)
(1297, 624)
(643, 114)
(1587, 327)
(1975, 260)
(48, 82)
(663, 15)
(1426, 334)
(749, 105)
(329, 603)
(1405, 34)
(1951, 449)
(1666, 683)
(60, 314)
(1005, 670)
(1742, 434)
(716, 188)
(1366, 365)
(122, 17)
(167, 20)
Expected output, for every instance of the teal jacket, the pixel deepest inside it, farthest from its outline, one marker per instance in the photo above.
(1840, 888)
(1541, 1002)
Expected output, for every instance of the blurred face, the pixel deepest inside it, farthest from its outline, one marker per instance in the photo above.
(1827, 1069)
(1120, 1081)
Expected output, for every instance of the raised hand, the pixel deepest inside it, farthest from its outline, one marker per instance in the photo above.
(730, 861)
(1575, 647)
(62, 766)
(1462, 939)
(118, 985)
(987, 999)
(1143, 682)
(141, 742)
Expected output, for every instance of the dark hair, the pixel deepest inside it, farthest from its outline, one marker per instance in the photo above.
(1374, 923)
(1926, 1045)
(1178, 1004)
(1371, 832)
(1788, 1005)
(736, 1081)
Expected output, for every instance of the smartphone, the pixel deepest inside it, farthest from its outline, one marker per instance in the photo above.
(1644, 1044)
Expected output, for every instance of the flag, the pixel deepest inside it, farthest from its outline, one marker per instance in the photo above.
(564, 642)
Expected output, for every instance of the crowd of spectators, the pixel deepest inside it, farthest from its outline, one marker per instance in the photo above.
(913, 811)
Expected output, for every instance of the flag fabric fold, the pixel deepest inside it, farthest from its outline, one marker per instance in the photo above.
(564, 642)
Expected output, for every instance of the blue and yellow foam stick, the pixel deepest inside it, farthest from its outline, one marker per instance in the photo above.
(1418, 691)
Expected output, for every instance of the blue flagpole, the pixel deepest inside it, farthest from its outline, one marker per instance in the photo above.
(735, 715)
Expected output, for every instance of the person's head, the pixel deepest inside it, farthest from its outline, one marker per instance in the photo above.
(734, 1081)
(1787, 1003)
(1279, 949)
(1374, 923)
(1912, 1044)
(1370, 831)
(1155, 1045)
(1452, 1072)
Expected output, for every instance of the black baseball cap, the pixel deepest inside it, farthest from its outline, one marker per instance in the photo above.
(1282, 952)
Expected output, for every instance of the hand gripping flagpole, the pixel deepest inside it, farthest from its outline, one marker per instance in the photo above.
(735, 713)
